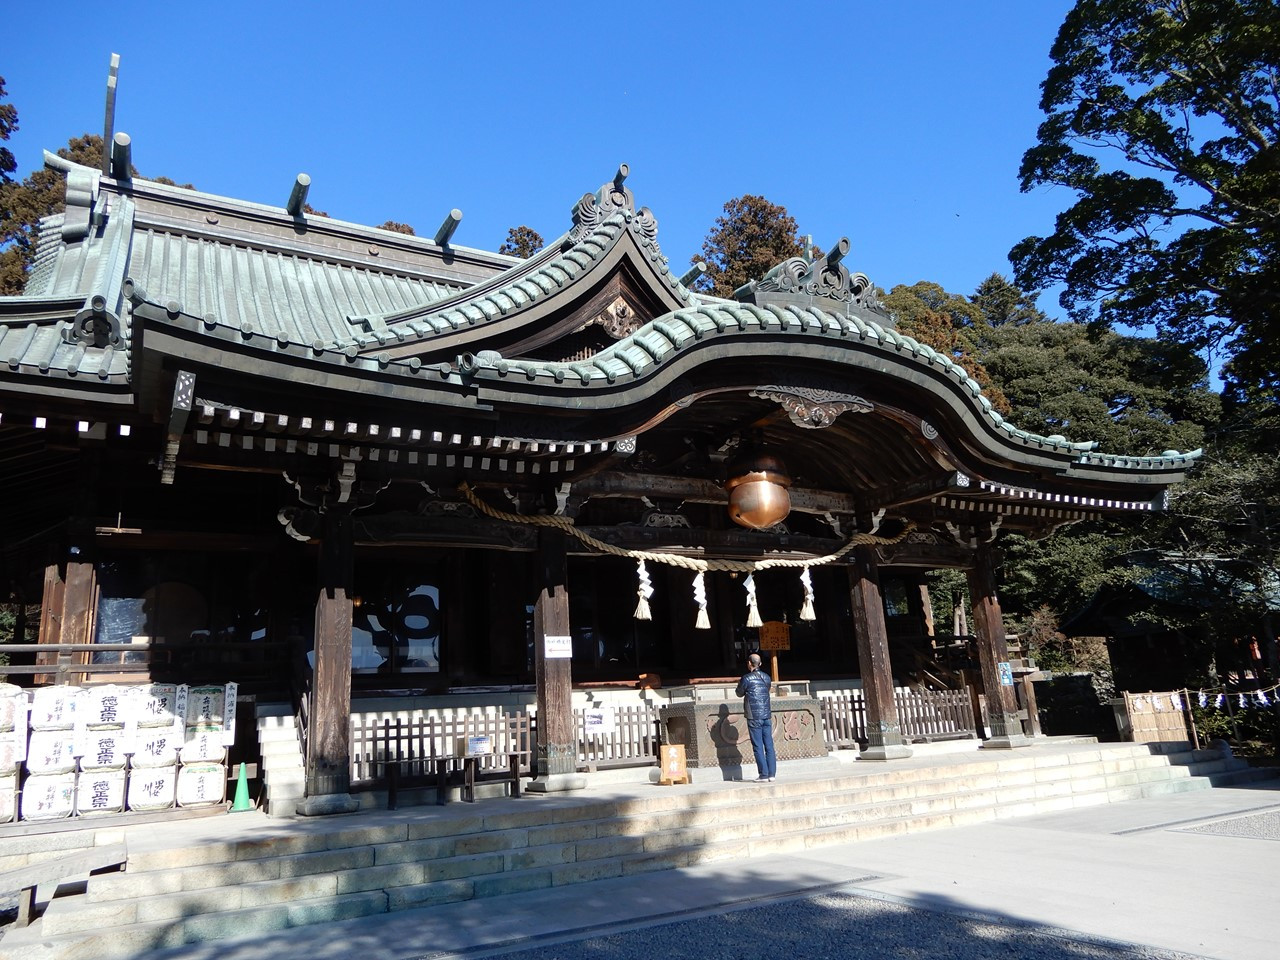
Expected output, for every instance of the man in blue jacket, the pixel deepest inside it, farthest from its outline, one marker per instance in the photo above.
(754, 686)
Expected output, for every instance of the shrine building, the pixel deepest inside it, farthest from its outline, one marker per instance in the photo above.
(336, 464)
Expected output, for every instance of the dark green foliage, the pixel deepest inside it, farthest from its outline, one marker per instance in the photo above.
(752, 237)
(1162, 118)
(949, 323)
(522, 242)
(8, 124)
(1133, 395)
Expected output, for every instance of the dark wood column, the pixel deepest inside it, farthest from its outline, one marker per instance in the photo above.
(557, 751)
(884, 735)
(328, 760)
(1002, 704)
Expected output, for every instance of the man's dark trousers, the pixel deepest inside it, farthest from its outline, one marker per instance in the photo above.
(762, 744)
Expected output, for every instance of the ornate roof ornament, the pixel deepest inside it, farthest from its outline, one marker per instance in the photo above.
(803, 281)
(811, 407)
(612, 198)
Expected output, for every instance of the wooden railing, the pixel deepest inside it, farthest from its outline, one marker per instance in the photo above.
(844, 720)
(633, 741)
(412, 747)
(88, 663)
(923, 715)
(935, 714)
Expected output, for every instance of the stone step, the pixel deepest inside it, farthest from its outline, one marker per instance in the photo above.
(345, 882)
(237, 888)
(597, 831)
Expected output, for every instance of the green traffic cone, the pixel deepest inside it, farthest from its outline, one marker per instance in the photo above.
(241, 801)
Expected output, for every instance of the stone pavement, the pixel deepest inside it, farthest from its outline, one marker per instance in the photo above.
(1192, 872)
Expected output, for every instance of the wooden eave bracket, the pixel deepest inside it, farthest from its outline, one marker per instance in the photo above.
(184, 390)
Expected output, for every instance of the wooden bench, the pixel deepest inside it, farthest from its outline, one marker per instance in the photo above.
(25, 879)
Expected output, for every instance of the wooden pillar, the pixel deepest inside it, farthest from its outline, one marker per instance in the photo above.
(884, 735)
(557, 748)
(926, 607)
(50, 620)
(66, 616)
(328, 760)
(1002, 703)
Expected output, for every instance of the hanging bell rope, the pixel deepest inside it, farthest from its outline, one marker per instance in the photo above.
(753, 611)
(700, 598)
(644, 591)
(806, 610)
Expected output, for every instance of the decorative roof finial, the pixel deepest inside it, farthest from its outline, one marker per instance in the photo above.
(800, 280)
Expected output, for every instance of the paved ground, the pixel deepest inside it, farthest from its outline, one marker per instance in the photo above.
(1192, 874)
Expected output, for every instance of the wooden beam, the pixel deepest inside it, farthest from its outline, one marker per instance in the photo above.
(901, 494)
(884, 734)
(695, 490)
(184, 389)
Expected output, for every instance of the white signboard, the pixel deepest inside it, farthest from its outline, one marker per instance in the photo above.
(229, 715)
(558, 648)
(599, 721)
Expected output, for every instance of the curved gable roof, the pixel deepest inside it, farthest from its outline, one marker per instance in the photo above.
(522, 305)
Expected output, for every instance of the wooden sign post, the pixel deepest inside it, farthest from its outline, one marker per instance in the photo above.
(774, 636)
(674, 768)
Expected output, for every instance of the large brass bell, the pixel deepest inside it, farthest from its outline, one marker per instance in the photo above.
(757, 488)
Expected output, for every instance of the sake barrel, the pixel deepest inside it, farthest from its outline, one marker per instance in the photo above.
(106, 705)
(204, 745)
(104, 749)
(51, 751)
(49, 796)
(205, 705)
(155, 704)
(152, 788)
(9, 700)
(155, 747)
(100, 791)
(201, 784)
(8, 796)
(54, 708)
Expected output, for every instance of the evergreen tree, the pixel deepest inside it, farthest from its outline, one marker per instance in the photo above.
(522, 242)
(1162, 118)
(751, 238)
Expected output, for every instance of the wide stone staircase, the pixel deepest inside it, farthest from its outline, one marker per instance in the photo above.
(258, 874)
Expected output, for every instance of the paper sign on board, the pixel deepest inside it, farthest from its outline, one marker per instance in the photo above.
(558, 648)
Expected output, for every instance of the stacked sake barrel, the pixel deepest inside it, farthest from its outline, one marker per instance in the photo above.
(104, 722)
(49, 792)
(105, 749)
(210, 716)
(13, 746)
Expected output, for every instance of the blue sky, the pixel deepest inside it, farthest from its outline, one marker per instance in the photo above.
(898, 124)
